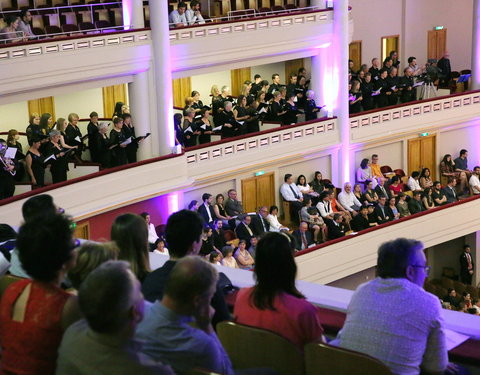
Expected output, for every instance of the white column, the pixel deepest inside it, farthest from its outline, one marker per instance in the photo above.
(133, 14)
(322, 79)
(476, 46)
(163, 75)
(340, 75)
(140, 111)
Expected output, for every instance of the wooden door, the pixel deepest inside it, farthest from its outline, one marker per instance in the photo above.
(355, 54)
(389, 43)
(422, 154)
(238, 76)
(182, 89)
(292, 66)
(258, 191)
(437, 43)
(42, 105)
(82, 230)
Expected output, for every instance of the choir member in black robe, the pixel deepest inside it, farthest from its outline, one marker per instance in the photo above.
(119, 155)
(367, 88)
(92, 129)
(381, 84)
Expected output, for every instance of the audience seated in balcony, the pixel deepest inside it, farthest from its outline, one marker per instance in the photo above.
(370, 195)
(461, 165)
(361, 221)
(406, 337)
(402, 205)
(413, 183)
(348, 200)
(291, 193)
(425, 179)
(24, 24)
(243, 230)
(11, 33)
(336, 227)
(474, 181)
(206, 210)
(228, 259)
(112, 304)
(303, 238)
(152, 233)
(272, 218)
(160, 247)
(364, 173)
(415, 204)
(34, 313)
(383, 212)
(260, 224)
(448, 169)
(427, 199)
(392, 205)
(178, 17)
(311, 216)
(194, 14)
(207, 242)
(274, 303)
(396, 186)
(438, 195)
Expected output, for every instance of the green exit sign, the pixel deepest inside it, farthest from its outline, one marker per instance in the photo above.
(439, 27)
(259, 173)
(423, 134)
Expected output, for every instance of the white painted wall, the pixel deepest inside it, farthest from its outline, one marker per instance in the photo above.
(80, 102)
(267, 70)
(14, 116)
(307, 168)
(452, 141)
(446, 254)
(374, 19)
(389, 154)
(204, 82)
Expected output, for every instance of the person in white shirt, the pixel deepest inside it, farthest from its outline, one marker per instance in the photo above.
(194, 16)
(364, 173)
(325, 205)
(292, 194)
(348, 200)
(474, 181)
(413, 183)
(178, 18)
(152, 233)
(24, 24)
(272, 218)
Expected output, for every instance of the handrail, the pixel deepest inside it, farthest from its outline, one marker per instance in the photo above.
(421, 101)
(384, 225)
(59, 39)
(104, 172)
(91, 5)
(261, 132)
(256, 15)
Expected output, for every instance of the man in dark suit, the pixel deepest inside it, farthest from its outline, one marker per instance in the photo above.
(218, 235)
(466, 265)
(303, 237)
(206, 210)
(260, 224)
(183, 234)
(445, 69)
(449, 190)
(381, 190)
(243, 230)
(336, 228)
(415, 204)
(382, 212)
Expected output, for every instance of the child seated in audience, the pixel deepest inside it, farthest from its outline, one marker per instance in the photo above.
(228, 259)
(243, 257)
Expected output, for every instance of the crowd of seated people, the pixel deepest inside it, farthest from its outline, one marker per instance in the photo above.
(384, 85)
(100, 308)
(259, 101)
(55, 144)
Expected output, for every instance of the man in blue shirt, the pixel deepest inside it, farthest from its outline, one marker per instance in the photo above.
(178, 18)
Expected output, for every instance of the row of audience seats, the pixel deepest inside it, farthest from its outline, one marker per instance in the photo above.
(250, 347)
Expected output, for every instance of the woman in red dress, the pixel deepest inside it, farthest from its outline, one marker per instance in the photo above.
(35, 312)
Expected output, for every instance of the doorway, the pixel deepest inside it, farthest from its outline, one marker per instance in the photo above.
(258, 191)
(422, 154)
(355, 54)
(388, 44)
(437, 43)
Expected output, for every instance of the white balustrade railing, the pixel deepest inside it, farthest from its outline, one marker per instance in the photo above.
(50, 46)
(419, 114)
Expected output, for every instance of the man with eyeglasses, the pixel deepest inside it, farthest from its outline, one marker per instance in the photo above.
(392, 318)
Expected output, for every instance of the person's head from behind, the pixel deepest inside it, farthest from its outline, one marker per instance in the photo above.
(227, 251)
(89, 257)
(183, 233)
(111, 300)
(191, 285)
(402, 258)
(38, 206)
(130, 234)
(45, 247)
(415, 175)
(214, 257)
(275, 269)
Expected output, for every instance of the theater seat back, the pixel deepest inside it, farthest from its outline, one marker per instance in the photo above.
(322, 359)
(250, 347)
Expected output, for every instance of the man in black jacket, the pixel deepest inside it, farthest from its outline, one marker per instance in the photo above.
(466, 265)
(415, 204)
(336, 228)
(259, 223)
(206, 209)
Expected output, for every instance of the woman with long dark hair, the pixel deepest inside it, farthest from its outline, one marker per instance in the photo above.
(131, 236)
(274, 303)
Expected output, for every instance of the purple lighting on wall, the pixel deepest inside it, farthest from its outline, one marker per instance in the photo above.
(127, 13)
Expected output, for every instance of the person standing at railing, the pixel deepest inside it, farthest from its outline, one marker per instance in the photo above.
(117, 139)
(393, 82)
(24, 24)
(177, 17)
(366, 86)
(194, 15)
(102, 145)
(92, 129)
(129, 132)
(74, 135)
(381, 89)
(56, 157)
(409, 93)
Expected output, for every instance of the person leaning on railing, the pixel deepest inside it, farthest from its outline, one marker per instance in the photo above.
(10, 32)
(24, 24)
